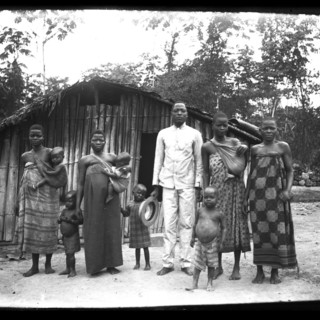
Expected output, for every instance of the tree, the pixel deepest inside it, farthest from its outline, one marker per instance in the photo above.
(12, 82)
(46, 25)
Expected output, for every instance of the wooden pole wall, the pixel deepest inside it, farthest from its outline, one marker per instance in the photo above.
(70, 125)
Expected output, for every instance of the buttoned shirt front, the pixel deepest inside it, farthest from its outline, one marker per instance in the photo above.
(177, 163)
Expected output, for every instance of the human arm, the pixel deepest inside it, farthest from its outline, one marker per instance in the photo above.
(158, 162)
(125, 211)
(242, 148)
(198, 142)
(54, 170)
(287, 161)
(205, 164)
(247, 189)
(193, 236)
(223, 229)
(76, 219)
(80, 186)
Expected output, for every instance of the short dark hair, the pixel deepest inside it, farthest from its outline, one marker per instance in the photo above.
(97, 131)
(59, 150)
(139, 186)
(218, 114)
(178, 102)
(268, 118)
(211, 187)
(36, 127)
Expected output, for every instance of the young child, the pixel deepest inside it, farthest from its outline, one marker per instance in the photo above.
(139, 234)
(268, 194)
(69, 228)
(208, 222)
(56, 174)
(119, 175)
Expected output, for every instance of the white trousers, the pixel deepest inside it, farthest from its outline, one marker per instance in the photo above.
(179, 214)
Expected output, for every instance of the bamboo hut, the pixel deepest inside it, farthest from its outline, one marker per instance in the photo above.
(130, 117)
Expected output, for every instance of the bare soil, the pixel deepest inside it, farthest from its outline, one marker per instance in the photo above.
(138, 288)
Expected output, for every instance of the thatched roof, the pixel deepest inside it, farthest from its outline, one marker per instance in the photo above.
(49, 102)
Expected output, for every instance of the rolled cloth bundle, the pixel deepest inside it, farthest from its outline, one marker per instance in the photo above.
(235, 163)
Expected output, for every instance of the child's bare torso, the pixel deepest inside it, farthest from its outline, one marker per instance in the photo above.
(208, 225)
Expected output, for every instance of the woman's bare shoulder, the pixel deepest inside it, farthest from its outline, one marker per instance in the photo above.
(208, 146)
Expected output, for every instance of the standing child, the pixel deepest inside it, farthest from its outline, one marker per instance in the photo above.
(69, 227)
(139, 233)
(268, 193)
(208, 222)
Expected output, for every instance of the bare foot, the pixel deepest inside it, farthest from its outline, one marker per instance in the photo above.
(217, 272)
(64, 272)
(48, 270)
(274, 279)
(30, 272)
(147, 267)
(259, 277)
(72, 274)
(136, 267)
(235, 275)
(112, 270)
(210, 287)
(191, 289)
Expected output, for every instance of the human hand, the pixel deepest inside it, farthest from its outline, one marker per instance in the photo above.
(241, 149)
(245, 207)
(155, 192)
(198, 192)
(285, 195)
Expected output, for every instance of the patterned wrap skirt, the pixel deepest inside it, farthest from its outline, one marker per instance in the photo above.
(271, 219)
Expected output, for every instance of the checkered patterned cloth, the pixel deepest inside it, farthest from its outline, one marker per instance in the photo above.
(271, 219)
(139, 235)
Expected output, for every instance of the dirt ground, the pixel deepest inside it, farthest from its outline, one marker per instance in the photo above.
(138, 288)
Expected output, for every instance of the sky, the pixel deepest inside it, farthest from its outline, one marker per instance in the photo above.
(104, 36)
(110, 36)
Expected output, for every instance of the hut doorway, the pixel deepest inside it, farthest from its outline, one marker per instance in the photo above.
(147, 153)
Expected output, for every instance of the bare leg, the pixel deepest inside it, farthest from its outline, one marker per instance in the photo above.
(236, 268)
(137, 266)
(147, 258)
(195, 280)
(274, 279)
(47, 266)
(67, 270)
(35, 266)
(72, 260)
(210, 278)
(218, 271)
(260, 275)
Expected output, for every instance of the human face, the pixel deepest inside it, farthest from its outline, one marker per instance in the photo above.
(36, 137)
(98, 142)
(70, 201)
(56, 158)
(179, 114)
(220, 126)
(268, 130)
(210, 198)
(139, 194)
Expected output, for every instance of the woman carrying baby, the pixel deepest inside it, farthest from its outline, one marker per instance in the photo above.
(224, 162)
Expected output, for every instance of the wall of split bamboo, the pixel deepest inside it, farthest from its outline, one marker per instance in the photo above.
(70, 125)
